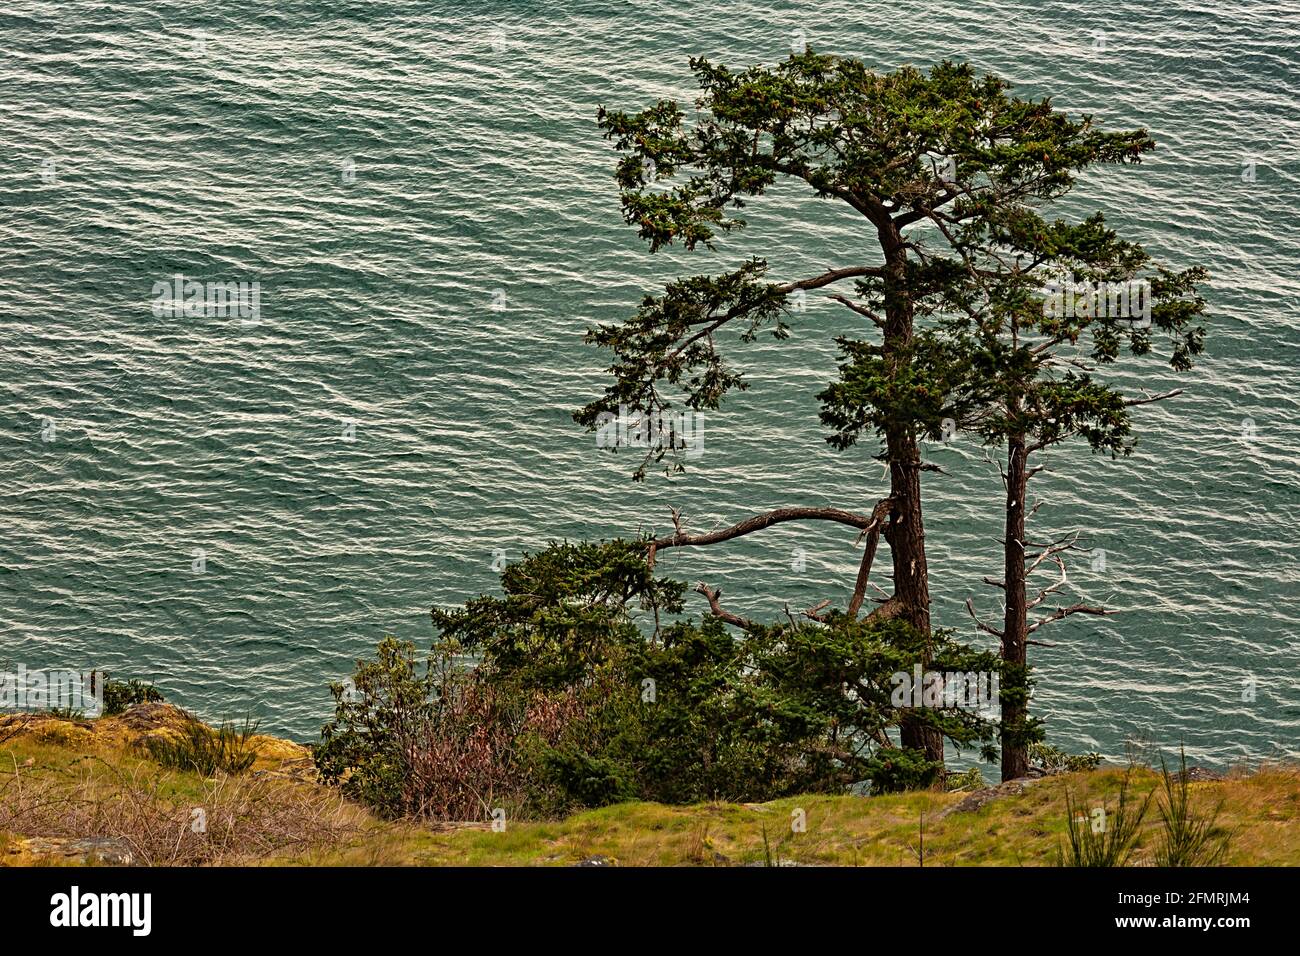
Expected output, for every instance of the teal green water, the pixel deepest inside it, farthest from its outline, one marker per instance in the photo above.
(216, 140)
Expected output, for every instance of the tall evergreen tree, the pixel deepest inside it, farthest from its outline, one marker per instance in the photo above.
(898, 149)
(1046, 306)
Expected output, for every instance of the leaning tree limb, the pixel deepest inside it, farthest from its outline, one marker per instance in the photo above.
(757, 523)
(986, 628)
(878, 515)
(1149, 398)
(715, 605)
(860, 309)
(869, 525)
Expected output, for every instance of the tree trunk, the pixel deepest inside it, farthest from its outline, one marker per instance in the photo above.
(905, 531)
(906, 536)
(1015, 707)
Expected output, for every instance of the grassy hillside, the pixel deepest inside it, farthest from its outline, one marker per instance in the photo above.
(73, 792)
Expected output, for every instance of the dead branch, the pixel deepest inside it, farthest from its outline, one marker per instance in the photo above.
(986, 628)
(878, 515)
(861, 310)
(1051, 589)
(1063, 612)
(715, 606)
(1148, 399)
(813, 612)
(1051, 549)
(758, 523)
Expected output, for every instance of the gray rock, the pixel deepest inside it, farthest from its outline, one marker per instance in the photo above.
(979, 799)
(1199, 774)
(109, 851)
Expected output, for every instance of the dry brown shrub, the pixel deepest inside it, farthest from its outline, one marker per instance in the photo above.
(465, 761)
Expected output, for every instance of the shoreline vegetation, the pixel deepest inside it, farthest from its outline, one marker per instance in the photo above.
(91, 792)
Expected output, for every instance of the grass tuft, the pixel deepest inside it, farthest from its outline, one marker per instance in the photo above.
(205, 750)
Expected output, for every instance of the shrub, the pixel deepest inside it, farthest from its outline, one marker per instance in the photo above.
(205, 750)
(120, 695)
(1105, 841)
(970, 779)
(586, 780)
(685, 718)
(1188, 839)
(376, 719)
(837, 676)
(590, 689)
(1052, 760)
(445, 744)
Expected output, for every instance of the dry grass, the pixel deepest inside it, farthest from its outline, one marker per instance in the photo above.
(65, 780)
(167, 820)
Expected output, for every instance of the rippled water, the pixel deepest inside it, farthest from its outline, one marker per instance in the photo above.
(218, 140)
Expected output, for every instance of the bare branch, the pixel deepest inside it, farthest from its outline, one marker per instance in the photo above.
(1051, 549)
(1153, 398)
(1042, 595)
(812, 612)
(816, 282)
(878, 515)
(986, 628)
(1062, 612)
(677, 521)
(861, 310)
(759, 522)
(831, 276)
(715, 606)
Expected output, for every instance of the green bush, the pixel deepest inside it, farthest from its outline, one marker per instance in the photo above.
(590, 688)
(966, 781)
(121, 695)
(362, 748)
(1052, 760)
(585, 779)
